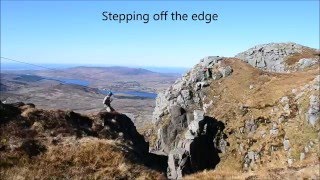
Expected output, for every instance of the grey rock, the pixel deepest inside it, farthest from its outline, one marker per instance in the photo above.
(294, 91)
(195, 153)
(176, 163)
(316, 83)
(317, 79)
(285, 103)
(290, 161)
(284, 100)
(250, 158)
(311, 143)
(207, 105)
(225, 71)
(241, 148)
(178, 117)
(216, 75)
(256, 156)
(270, 57)
(251, 155)
(193, 127)
(274, 132)
(200, 85)
(305, 62)
(161, 105)
(176, 111)
(186, 94)
(244, 109)
(286, 145)
(313, 112)
(197, 74)
(302, 156)
(189, 135)
(250, 126)
(198, 115)
(274, 125)
(181, 101)
(209, 61)
(281, 119)
(223, 145)
(286, 108)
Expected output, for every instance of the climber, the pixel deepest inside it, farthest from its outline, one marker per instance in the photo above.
(107, 102)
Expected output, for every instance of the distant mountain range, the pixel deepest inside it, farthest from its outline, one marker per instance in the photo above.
(5, 66)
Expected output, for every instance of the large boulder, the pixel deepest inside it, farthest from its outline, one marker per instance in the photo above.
(272, 56)
(313, 112)
(120, 126)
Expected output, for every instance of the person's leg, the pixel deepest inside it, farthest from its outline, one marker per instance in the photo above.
(108, 109)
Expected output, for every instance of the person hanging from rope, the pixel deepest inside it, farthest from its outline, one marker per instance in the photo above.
(107, 102)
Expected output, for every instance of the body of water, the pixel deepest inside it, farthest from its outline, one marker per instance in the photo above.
(75, 81)
(71, 81)
(141, 94)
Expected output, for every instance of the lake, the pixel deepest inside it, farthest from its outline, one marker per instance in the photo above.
(141, 94)
(74, 81)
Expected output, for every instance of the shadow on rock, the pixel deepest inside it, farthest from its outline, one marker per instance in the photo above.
(200, 149)
(205, 148)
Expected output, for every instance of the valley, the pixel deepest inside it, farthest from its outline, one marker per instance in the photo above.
(82, 89)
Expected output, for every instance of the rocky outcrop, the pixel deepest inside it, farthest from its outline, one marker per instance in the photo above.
(261, 111)
(199, 148)
(190, 139)
(174, 107)
(32, 134)
(272, 57)
(313, 113)
(26, 118)
(185, 92)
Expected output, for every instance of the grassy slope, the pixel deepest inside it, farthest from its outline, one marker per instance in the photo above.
(41, 144)
(263, 104)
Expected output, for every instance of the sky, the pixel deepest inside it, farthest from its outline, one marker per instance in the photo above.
(73, 32)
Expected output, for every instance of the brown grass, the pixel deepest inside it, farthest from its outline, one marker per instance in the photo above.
(230, 93)
(305, 172)
(233, 91)
(69, 148)
(88, 158)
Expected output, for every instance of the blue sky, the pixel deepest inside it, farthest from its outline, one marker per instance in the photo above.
(73, 32)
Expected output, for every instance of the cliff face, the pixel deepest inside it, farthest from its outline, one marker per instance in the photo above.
(251, 117)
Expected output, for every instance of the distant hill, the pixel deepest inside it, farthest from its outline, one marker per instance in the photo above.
(113, 77)
(80, 89)
(116, 70)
